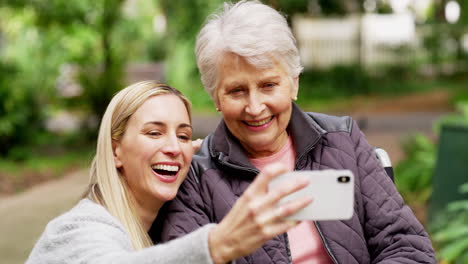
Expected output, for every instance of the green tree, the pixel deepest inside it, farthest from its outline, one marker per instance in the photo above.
(184, 20)
(24, 88)
(42, 35)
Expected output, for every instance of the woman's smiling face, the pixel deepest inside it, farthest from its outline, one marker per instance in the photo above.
(155, 151)
(255, 103)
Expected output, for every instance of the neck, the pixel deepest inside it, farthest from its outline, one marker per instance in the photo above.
(147, 212)
(269, 150)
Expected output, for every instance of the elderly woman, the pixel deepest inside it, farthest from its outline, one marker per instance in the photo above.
(143, 154)
(250, 66)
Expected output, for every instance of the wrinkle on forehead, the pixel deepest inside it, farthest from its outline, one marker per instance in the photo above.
(258, 62)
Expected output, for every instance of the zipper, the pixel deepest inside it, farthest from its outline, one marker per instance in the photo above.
(288, 250)
(330, 253)
(327, 248)
(286, 239)
(306, 152)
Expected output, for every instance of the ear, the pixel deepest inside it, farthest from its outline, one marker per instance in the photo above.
(217, 107)
(295, 88)
(117, 151)
(216, 102)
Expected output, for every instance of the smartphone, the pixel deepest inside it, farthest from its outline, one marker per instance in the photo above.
(332, 192)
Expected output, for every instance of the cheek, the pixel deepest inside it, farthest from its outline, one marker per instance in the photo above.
(285, 112)
(188, 153)
(139, 152)
(229, 114)
(230, 107)
(280, 104)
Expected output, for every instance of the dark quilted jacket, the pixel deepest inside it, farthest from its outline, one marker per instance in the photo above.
(382, 230)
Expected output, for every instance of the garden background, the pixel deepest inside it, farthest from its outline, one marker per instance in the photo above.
(399, 67)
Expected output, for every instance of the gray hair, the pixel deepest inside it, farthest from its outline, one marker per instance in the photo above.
(248, 29)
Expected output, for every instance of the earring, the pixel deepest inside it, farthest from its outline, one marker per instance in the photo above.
(217, 109)
(294, 98)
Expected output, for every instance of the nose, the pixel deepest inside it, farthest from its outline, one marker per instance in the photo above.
(255, 105)
(171, 146)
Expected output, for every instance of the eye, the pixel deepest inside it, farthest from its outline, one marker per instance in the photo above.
(269, 85)
(184, 137)
(236, 91)
(154, 133)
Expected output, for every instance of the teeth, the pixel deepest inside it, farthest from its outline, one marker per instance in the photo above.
(259, 123)
(165, 167)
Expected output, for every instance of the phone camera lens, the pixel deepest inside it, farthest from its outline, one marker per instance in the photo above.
(343, 179)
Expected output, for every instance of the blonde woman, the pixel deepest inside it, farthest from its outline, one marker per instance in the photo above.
(143, 154)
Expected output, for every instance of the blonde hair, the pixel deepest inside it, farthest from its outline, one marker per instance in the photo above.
(107, 186)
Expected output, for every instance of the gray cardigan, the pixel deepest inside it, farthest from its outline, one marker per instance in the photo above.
(89, 234)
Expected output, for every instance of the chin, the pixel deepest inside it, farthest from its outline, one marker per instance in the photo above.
(165, 196)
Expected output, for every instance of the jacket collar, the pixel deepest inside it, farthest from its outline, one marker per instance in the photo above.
(305, 133)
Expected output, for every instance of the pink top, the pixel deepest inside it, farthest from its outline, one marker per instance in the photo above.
(305, 249)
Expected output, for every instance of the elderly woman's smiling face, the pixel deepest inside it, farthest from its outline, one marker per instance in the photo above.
(255, 103)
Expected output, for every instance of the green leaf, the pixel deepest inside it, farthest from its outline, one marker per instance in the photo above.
(455, 249)
(452, 233)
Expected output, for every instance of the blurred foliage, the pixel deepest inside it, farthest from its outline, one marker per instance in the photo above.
(414, 173)
(100, 38)
(320, 7)
(344, 81)
(444, 41)
(24, 87)
(414, 181)
(20, 109)
(332, 7)
(184, 20)
(339, 81)
(101, 81)
(460, 119)
(290, 6)
(451, 233)
(39, 166)
(39, 37)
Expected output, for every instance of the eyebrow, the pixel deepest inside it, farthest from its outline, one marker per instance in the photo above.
(159, 123)
(269, 77)
(234, 83)
(266, 78)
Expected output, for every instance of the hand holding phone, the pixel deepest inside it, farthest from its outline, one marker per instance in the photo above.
(332, 192)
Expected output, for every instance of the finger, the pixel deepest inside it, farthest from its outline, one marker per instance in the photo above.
(276, 194)
(281, 212)
(295, 206)
(259, 203)
(279, 228)
(270, 216)
(271, 171)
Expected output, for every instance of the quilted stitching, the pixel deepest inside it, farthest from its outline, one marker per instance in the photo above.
(382, 228)
(370, 173)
